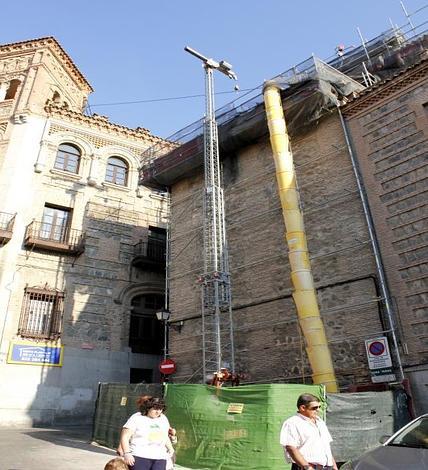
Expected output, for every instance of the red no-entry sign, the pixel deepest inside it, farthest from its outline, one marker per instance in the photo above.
(167, 366)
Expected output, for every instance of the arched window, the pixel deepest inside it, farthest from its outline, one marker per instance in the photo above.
(117, 171)
(68, 158)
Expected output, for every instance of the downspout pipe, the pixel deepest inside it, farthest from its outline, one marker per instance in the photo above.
(375, 246)
(304, 293)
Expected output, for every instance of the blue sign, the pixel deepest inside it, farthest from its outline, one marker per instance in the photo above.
(22, 352)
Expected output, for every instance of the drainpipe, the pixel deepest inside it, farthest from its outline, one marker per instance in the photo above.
(375, 246)
(304, 294)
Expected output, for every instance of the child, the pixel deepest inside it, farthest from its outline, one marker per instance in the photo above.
(116, 464)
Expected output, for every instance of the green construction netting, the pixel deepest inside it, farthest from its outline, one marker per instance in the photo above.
(211, 437)
(116, 402)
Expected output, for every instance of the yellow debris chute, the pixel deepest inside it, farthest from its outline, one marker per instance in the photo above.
(304, 295)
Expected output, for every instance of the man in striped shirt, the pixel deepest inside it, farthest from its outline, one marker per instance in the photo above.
(305, 437)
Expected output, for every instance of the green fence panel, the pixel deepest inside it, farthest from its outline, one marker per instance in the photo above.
(116, 402)
(212, 436)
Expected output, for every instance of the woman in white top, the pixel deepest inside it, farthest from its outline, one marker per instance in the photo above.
(144, 439)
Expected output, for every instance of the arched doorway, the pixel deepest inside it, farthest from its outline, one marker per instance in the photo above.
(145, 330)
(146, 335)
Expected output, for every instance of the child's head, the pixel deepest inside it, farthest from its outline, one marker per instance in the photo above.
(116, 464)
(152, 402)
(141, 400)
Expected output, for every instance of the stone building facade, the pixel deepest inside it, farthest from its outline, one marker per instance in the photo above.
(81, 244)
(389, 128)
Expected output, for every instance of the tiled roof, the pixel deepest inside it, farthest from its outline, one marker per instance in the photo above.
(101, 122)
(56, 47)
(387, 86)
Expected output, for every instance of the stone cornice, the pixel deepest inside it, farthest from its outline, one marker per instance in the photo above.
(57, 49)
(101, 123)
(383, 90)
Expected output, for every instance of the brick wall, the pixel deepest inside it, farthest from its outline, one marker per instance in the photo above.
(389, 128)
(268, 342)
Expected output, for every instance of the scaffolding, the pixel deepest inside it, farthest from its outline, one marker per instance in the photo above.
(217, 325)
(377, 59)
(310, 90)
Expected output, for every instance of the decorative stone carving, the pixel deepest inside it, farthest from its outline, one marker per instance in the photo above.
(20, 118)
(39, 167)
(92, 178)
(102, 124)
(66, 82)
(15, 64)
(5, 108)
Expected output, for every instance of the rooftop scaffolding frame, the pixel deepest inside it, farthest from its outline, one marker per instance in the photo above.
(166, 161)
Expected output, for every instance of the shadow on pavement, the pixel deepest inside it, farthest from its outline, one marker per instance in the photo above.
(74, 437)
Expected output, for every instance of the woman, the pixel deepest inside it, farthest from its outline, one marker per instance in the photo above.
(144, 440)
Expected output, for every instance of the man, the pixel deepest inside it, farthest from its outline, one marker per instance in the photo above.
(305, 437)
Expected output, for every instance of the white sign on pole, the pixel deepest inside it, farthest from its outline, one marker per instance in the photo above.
(379, 359)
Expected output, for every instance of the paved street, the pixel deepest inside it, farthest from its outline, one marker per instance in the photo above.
(65, 448)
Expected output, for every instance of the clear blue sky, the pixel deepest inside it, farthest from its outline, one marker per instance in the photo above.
(133, 50)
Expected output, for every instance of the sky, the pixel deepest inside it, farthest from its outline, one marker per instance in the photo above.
(132, 50)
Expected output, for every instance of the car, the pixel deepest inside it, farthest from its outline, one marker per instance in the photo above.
(407, 449)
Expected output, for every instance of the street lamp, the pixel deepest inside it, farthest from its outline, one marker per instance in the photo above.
(163, 316)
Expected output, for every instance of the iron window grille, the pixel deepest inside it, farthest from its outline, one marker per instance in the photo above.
(41, 314)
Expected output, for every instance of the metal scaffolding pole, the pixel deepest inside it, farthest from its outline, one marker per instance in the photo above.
(217, 325)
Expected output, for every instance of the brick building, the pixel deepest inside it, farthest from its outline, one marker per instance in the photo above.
(269, 345)
(81, 243)
(389, 127)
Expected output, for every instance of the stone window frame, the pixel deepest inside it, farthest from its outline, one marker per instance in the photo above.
(115, 168)
(65, 165)
(41, 313)
(52, 145)
(128, 157)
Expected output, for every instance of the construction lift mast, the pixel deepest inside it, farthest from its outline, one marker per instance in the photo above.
(217, 326)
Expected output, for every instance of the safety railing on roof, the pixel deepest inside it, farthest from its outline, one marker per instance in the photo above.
(353, 62)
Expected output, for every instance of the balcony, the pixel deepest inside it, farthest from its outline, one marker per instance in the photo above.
(150, 255)
(58, 238)
(6, 227)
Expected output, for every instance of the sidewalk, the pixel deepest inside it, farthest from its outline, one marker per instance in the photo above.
(64, 448)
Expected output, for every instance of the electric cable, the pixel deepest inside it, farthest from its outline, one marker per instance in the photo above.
(170, 98)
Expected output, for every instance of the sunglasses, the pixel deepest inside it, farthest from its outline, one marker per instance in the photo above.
(315, 407)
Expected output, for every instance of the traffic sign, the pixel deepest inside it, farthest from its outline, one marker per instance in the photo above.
(376, 348)
(378, 353)
(167, 366)
(379, 359)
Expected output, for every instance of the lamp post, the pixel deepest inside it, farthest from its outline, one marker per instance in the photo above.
(163, 316)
